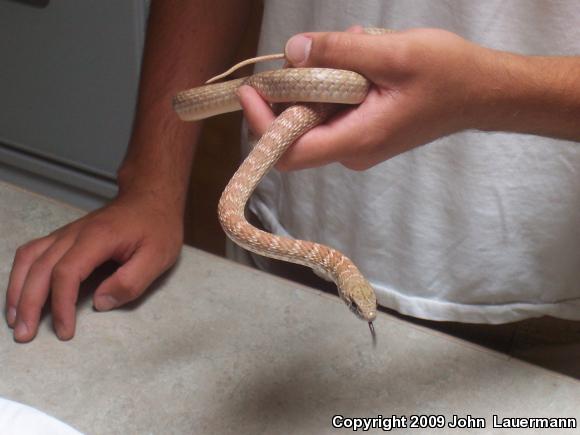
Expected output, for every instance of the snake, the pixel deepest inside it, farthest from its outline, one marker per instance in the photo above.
(314, 94)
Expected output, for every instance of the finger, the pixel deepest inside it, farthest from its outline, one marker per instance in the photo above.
(130, 280)
(371, 55)
(25, 256)
(69, 272)
(257, 111)
(318, 147)
(35, 290)
(342, 137)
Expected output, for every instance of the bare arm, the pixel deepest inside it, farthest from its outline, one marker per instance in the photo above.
(142, 229)
(187, 42)
(530, 94)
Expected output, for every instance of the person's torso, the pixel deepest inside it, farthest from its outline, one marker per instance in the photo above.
(475, 226)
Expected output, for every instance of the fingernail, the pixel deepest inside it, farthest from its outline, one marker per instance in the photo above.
(240, 90)
(298, 49)
(105, 303)
(11, 315)
(60, 332)
(21, 331)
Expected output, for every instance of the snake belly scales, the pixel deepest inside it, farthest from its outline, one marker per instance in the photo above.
(315, 94)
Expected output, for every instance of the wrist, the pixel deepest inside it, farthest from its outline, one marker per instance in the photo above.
(528, 94)
(151, 212)
(160, 188)
(497, 90)
(159, 164)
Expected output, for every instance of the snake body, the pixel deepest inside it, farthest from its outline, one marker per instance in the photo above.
(318, 91)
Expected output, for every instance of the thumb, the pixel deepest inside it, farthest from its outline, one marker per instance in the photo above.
(369, 55)
(129, 281)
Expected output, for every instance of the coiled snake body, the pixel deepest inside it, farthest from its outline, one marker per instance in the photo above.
(318, 90)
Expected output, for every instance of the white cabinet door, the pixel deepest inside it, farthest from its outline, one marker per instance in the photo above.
(69, 73)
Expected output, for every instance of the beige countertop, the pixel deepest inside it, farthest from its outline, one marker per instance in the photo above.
(219, 348)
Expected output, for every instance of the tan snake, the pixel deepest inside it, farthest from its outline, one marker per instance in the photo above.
(318, 91)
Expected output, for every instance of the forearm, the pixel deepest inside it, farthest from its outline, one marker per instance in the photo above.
(187, 42)
(529, 94)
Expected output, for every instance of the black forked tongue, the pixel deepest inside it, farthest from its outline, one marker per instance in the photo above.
(373, 334)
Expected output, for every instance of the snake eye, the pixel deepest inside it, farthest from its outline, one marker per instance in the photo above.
(356, 310)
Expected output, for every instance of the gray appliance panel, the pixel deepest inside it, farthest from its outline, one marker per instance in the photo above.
(68, 80)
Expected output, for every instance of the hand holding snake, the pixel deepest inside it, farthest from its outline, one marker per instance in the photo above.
(394, 128)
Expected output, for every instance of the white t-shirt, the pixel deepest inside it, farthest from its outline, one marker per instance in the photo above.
(475, 227)
(19, 419)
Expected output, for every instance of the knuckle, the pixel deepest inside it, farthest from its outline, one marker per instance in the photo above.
(24, 253)
(28, 308)
(363, 160)
(127, 286)
(356, 165)
(402, 54)
(331, 47)
(168, 259)
(60, 272)
(61, 300)
(99, 229)
(40, 266)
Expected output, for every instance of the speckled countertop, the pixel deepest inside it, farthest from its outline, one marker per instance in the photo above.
(219, 348)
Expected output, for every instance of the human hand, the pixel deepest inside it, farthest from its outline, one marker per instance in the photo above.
(140, 232)
(426, 84)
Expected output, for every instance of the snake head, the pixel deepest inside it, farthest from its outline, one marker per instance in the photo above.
(360, 298)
